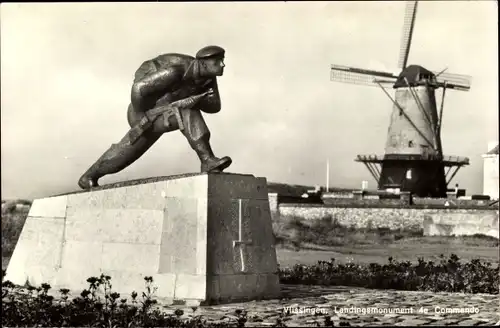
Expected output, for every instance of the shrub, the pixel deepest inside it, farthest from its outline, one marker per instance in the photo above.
(35, 307)
(450, 275)
(12, 224)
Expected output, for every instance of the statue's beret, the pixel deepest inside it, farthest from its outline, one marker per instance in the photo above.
(210, 52)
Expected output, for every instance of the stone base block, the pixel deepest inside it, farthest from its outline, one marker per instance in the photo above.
(201, 237)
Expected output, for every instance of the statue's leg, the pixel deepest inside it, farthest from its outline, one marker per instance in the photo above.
(116, 158)
(198, 136)
(122, 154)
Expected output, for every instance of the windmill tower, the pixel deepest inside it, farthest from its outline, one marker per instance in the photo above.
(413, 159)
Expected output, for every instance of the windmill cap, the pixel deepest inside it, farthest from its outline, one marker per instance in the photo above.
(210, 52)
(413, 74)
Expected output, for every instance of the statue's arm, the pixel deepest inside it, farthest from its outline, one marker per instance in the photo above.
(212, 103)
(161, 80)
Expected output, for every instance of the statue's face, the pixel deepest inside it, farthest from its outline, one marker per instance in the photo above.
(213, 66)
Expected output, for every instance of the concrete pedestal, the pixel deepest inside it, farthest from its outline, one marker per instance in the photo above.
(202, 237)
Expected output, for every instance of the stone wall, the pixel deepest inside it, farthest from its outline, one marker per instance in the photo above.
(458, 224)
(393, 218)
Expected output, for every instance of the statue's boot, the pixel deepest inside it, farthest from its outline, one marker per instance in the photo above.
(116, 158)
(216, 164)
(209, 162)
(198, 136)
(86, 181)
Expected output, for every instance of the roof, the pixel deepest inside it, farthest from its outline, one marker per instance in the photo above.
(413, 75)
(494, 151)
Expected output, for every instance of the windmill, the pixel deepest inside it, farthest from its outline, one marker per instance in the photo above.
(413, 159)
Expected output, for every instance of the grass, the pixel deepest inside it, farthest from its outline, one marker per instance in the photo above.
(303, 242)
(294, 231)
(366, 255)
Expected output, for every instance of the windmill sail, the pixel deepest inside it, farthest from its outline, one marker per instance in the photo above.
(409, 23)
(454, 81)
(360, 76)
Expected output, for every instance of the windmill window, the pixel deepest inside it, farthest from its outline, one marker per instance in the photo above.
(410, 143)
(408, 174)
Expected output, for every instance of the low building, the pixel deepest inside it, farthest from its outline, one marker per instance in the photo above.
(490, 171)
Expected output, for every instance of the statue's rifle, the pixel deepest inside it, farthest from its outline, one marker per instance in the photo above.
(167, 110)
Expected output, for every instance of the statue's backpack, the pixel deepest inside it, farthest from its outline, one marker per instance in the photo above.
(146, 68)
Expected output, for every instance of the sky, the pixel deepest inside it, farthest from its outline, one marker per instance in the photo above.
(67, 70)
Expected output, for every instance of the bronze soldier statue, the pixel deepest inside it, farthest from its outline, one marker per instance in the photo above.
(169, 93)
